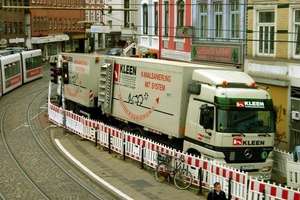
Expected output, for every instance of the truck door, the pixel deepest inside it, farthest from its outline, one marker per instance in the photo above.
(205, 128)
(200, 123)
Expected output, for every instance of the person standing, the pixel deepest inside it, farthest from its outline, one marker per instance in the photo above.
(217, 193)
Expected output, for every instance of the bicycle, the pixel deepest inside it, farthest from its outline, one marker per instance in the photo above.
(181, 177)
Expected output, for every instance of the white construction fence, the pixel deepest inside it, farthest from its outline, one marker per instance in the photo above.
(205, 173)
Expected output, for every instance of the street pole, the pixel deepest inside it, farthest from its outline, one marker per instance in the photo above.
(62, 91)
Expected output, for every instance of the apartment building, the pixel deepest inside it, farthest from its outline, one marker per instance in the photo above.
(13, 30)
(219, 32)
(56, 26)
(272, 58)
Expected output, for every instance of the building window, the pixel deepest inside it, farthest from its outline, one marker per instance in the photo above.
(234, 19)
(203, 29)
(92, 15)
(166, 25)
(77, 23)
(34, 24)
(69, 23)
(145, 19)
(155, 18)
(297, 32)
(65, 23)
(180, 13)
(126, 14)
(60, 24)
(20, 27)
(266, 32)
(50, 24)
(55, 24)
(15, 27)
(87, 15)
(218, 7)
(38, 22)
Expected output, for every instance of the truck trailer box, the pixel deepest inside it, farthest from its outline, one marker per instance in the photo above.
(153, 93)
(84, 74)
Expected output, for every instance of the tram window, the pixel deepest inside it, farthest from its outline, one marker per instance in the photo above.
(12, 69)
(33, 62)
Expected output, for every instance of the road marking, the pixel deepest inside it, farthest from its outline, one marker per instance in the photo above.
(25, 125)
(90, 172)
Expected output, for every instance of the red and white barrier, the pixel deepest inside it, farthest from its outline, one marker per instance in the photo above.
(136, 146)
(293, 174)
(224, 174)
(55, 114)
(261, 190)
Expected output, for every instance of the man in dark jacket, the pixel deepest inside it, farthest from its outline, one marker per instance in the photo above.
(217, 193)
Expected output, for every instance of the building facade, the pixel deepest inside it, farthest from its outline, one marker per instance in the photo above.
(219, 32)
(272, 58)
(13, 29)
(57, 27)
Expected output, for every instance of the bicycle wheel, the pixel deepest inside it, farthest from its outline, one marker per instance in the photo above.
(183, 179)
(161, 172)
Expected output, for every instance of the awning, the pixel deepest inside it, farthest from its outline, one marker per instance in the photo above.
(49, 38)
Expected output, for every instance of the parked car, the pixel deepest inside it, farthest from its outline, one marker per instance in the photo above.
(297, 154)
(114, 52)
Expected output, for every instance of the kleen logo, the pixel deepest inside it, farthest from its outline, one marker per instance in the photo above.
(250, 104)
(200, 136)
(239, 142)
(116, 73)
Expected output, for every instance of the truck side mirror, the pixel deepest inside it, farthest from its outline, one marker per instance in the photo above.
(206, 116)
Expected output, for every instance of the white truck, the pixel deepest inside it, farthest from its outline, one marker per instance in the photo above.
(214, 112)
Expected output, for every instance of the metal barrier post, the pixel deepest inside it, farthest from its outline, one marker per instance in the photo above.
(200, 180)
(142, 160)
(124, 147)
(229, 189)
(109, 145)
(96, 135)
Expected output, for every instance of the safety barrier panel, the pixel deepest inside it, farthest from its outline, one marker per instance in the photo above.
(145, 151)
(234, 181)
(293, 174)
(55, 114)
(259, 190)
(280, 158)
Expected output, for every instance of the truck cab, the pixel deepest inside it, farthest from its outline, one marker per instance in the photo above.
(231, 121)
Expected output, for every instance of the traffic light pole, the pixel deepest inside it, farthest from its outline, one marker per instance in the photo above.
(62, 91)
(63, 102)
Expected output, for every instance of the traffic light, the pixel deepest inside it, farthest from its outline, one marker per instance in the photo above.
(55, 73)
(65, 72)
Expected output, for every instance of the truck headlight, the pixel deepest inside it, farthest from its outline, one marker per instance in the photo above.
(267, 169)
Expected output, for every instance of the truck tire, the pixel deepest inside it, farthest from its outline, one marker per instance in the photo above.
(194, 152)
(139, 131)
(125, 127)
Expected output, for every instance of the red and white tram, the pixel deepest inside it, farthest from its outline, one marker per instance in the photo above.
(32, 65)
(19, 68)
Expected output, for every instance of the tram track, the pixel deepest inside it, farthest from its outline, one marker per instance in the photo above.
(34, 169)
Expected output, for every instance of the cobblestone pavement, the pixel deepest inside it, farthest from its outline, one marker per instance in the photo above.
(17, 126)
(125, 176)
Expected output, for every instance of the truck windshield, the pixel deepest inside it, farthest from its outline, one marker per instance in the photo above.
(245, 121)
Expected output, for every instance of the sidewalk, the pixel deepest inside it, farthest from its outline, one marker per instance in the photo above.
(125, 178)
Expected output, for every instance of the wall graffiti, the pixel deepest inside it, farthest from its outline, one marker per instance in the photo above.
(280, 116)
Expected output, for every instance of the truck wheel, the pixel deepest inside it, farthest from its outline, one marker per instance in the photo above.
(139, 131)
(194, 152)
(125, 127)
